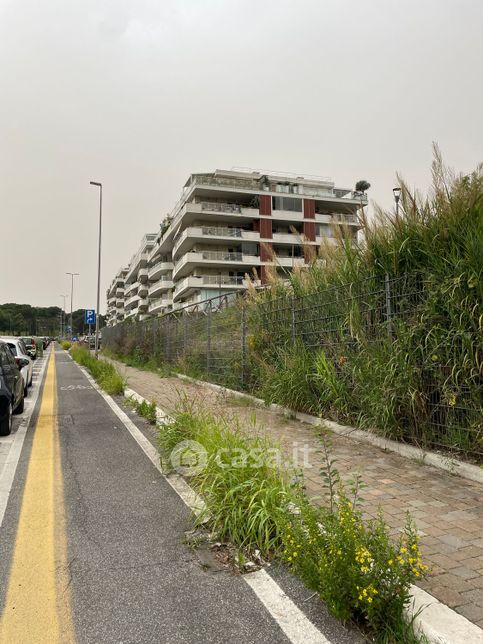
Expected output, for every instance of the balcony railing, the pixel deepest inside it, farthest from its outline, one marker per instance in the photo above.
(220, 207)
(229, 182)
(214, 231)
(163, 265)
(221, 255)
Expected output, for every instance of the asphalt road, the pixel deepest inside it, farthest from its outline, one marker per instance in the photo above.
(92, 544)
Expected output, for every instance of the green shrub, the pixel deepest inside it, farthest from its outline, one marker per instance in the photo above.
(104, 373)
(354, 565)
(66, 345)
(144, 408)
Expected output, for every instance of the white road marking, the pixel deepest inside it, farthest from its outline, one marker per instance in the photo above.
(15, 442)
(296, 626)
(291, 620)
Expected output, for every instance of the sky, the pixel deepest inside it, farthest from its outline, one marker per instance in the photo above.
(139, 94)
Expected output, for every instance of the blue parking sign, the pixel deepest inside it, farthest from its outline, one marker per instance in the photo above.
(90, 317)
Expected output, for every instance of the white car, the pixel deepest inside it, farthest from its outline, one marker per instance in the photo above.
(23, 360)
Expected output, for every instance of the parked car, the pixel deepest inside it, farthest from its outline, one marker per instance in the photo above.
(11, 389)
(23, 360)
(31, 345)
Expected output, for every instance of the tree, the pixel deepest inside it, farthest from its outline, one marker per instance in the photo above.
(362, 186)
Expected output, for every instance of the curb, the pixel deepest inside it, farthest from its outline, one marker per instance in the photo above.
(445, 463)
(436, 621)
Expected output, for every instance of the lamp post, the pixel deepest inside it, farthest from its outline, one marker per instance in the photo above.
(71, 300)
(62, 317)
(99, 185)
(397, 196)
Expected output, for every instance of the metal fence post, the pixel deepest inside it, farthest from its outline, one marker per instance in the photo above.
(168, 339)
(293, 320)
(208, 338)
(243, 345)
(388, 307)
(185, 335)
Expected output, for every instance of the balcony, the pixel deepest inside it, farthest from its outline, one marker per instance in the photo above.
(143, 304)
(294, 239)
(120, 291)
(143, 275)
(289, 262)
(131, 288)
(120, 303)
(143, 290)
(158, 269)
(228, 182)
(160, 304)
(137, 262)
(185, 240)
(131, 302)
(213, 258)
(196, 282)
(348, 218)
(160, 286)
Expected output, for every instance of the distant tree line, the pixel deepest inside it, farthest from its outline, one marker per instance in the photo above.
(19, 319)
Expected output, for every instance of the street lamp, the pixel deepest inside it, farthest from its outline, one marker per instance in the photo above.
(71, 300)
(62, 317)
(99, 185)
(397, 195)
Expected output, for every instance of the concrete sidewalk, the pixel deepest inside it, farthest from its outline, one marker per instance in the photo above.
(447, 509)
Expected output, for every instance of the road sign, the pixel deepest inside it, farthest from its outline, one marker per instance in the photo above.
(90, 317)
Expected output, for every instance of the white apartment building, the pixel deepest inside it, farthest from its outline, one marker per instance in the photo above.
(229, 225)
(136, 285)
(115, 298)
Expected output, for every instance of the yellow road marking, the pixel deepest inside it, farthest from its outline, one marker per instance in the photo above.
(37, 607)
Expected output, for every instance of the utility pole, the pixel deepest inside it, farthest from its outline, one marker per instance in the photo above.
(99, 185)
(71, 300)
(62, 317)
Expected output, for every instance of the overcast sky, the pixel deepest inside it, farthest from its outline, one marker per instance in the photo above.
(140, 93)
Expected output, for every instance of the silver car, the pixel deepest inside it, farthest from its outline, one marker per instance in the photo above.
(23, 360)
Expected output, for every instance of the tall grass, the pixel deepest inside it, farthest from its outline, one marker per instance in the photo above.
(415, 376)
(243, 491)
(104, 373)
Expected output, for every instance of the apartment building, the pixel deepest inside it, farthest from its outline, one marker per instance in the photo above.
(229, 225)
(115, 298)
(136, 285)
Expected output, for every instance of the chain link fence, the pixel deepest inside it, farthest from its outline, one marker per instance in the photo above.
(367, 353)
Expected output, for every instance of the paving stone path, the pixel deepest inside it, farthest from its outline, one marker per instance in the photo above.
(447, 509)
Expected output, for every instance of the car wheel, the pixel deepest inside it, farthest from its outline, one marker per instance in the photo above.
(30, 383)
(26, 390)
(6, 423)
(20, 407)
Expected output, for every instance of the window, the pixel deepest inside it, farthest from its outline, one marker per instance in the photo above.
(3, 358)
(13, 349)
(287, 203)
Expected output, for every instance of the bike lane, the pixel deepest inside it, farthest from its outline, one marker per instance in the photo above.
(131, 577)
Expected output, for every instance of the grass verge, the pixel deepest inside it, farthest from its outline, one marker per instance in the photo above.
(144, 408)
(254, 501)
(104, 373)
